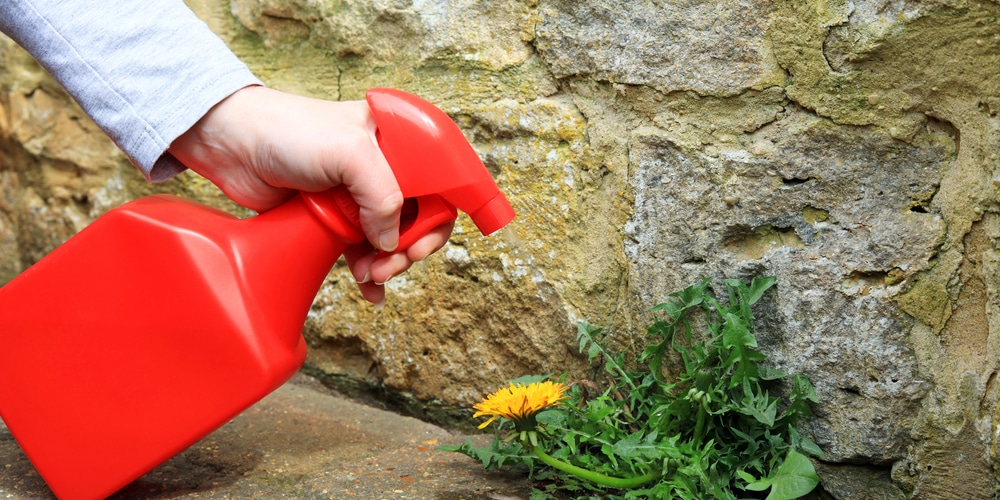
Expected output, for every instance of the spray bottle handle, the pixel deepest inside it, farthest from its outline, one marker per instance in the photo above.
(436, 169)
(339, 212)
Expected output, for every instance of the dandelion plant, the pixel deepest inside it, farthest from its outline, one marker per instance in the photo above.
(724, 428)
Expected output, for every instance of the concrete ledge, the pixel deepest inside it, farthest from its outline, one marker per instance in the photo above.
(301, 442)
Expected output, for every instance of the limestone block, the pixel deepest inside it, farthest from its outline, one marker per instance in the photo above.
(492, 35)
(717, 48)
(448, 329)
(837, 214)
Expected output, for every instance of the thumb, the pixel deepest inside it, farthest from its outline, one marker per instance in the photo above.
(381, 221)
(378, 196)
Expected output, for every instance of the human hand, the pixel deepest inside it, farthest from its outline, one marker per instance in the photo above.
(261, 146)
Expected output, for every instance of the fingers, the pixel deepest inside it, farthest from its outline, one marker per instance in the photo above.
(383, 269)
(431, 242)
(359, 259)
(373, 293)
(371, 273)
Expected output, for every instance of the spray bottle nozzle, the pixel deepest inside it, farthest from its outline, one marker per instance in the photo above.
(430, 156)
(492, 216)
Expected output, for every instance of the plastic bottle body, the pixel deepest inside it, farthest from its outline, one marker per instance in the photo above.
(148, 330)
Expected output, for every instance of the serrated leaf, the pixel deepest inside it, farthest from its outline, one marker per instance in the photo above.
(736, 334)
(465, 448)
(672, 308)
(794, 478)
(764, 414)
(768, 372)
(803, 389)
(585, 335)
(807, 445)
(599, 408)
(758, 286)
(694, 294)
(634, 446)
(498, 453)
(529, 379)
(552, 416)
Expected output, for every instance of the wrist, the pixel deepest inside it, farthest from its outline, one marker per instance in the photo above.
(210, 142)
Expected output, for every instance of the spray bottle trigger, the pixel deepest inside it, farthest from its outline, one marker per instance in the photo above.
(420, 215)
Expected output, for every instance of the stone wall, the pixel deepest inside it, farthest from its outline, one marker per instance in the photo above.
(851, 149)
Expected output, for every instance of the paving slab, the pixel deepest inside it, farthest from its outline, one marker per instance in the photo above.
(302, 442)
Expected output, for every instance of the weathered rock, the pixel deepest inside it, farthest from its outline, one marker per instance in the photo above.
(714, 48)
(848, 148)
(811, 210)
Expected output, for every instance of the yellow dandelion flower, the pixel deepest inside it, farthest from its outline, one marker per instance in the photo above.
(520, 403)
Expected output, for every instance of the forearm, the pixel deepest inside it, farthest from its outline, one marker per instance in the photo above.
(145, 71)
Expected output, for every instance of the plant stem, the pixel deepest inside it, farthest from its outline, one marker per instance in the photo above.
(595, 477)
(699, 426)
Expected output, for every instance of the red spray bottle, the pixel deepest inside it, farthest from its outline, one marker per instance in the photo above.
(165, 318)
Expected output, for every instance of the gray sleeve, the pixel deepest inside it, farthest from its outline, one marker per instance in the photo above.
(144, 70)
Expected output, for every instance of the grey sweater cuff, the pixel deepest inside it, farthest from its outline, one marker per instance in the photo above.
(144, 71)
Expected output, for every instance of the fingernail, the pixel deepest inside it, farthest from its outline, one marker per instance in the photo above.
(387, 242)
(384, 282)
(366, 279)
